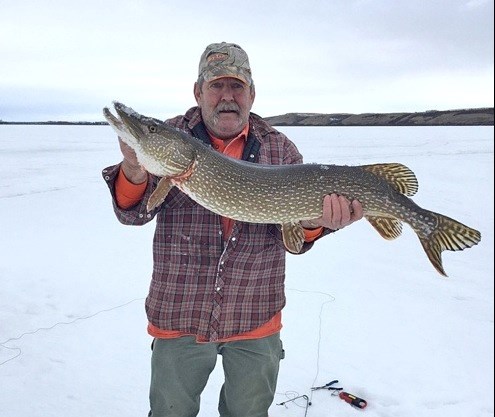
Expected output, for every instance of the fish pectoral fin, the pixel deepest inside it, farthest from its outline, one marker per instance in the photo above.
(160, 193)
(293, 236)
(389, 228)
(397, 175)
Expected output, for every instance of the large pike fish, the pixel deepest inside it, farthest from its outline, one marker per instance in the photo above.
(283, 194)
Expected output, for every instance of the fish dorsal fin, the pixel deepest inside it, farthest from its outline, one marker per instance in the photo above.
(388, 227)
(397, 175)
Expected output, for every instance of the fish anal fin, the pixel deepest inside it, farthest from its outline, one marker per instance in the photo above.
(158, 196)
(293, 237)
(397, 175)
(389, 228)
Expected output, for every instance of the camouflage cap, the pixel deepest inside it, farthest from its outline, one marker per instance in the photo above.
(225, 60)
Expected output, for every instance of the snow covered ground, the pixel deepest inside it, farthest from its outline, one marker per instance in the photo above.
(371, 313)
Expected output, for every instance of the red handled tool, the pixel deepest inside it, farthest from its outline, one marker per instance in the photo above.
(353, 400)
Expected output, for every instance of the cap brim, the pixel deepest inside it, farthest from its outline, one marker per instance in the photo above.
(217, 77)
(218, 72)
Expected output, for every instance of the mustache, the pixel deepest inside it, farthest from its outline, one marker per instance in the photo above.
(227, 107)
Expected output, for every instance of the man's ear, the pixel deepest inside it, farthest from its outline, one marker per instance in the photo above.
(253, 93)
(197, 92)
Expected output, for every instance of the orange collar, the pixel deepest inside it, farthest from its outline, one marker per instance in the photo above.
(231, 147)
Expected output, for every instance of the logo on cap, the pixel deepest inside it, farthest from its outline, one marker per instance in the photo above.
(225, 60)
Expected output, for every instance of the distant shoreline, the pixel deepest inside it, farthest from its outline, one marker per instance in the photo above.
(3, 122)
(462, 117)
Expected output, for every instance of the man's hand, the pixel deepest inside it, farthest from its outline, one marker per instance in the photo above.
(338, 212)
(130, 165)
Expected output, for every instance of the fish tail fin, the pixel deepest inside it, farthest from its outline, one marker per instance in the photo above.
(449, 234)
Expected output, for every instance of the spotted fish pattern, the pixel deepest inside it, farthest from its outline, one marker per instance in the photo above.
(284, 194)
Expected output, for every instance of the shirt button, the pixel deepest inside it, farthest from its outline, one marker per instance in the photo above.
(233, 239)
(218, 289)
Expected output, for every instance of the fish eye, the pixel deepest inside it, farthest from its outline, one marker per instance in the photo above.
(152, 129)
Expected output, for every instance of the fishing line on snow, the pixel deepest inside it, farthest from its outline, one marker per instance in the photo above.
(19, 350)
(293, 395)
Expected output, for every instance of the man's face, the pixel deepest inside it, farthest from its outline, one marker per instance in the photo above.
(225, 105)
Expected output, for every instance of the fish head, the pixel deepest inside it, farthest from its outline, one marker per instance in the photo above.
(159, 147)
(131, 126)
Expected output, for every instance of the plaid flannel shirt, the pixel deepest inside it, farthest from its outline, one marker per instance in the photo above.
(203, 284)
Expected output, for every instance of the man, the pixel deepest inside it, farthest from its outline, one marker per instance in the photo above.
(218, 285)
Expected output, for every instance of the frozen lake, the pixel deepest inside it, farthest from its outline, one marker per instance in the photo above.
(371, 313)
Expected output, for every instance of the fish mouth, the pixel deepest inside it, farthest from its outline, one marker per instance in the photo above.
(112, 120)
(117, 122)
(126, 123)
(131, 126)
(129, 119)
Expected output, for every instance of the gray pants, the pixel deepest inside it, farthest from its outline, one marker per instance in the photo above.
(180, 369)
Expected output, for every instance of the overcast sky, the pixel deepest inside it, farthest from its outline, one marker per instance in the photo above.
(66, 60)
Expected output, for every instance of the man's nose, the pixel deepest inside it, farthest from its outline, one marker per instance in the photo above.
(227, 93)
